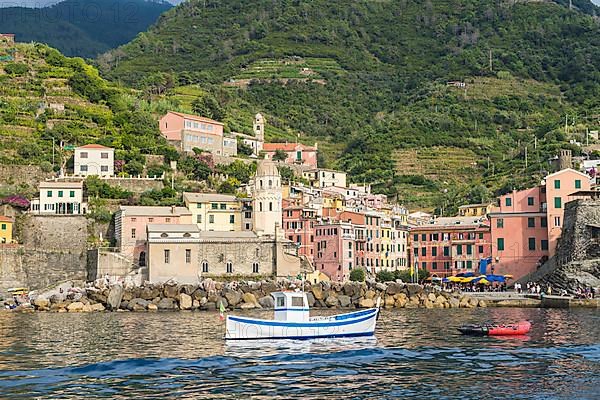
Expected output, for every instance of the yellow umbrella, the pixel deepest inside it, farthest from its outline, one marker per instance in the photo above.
(508, 276)
(484, 281)
(455, 279)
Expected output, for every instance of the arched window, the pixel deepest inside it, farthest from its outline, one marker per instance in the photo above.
(229, 267)
(270, 183)
(270, 206)
(260, 205)
(205, 266)
(164, 235)
(261, 185)
(255, 268)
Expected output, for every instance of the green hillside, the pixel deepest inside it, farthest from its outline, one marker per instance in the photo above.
(79, 28)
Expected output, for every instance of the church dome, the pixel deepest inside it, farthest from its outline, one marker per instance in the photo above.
(266, 168)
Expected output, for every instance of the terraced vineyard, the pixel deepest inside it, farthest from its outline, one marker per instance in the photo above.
(290, 68)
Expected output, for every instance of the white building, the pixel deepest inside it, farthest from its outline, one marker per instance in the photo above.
(60, 198)
(94, 159)
(322, 178)
(257, 141)
(267, 198)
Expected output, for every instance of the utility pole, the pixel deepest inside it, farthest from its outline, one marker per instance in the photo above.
(491, 64)
(525, 157)
(53, 152)
(566, 124)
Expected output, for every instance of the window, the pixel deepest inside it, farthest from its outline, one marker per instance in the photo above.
(531, 243)
(205, 266)
(150, 219)
(480, 249)
(255, 268)
(167, 256)
(480, 235)
(434, 251)
(556, 184)
(556, 221)
(133, 233)
(434, 265)
(247, 215)
(446, 251)
(83, 154)
(104, 168)
(223, 206)
(557, 202)
(229, 267)
(214, 206)
(423, 237)
(211, 219)
(531, 222)
(103, 155)
(297, 301)
(544, 222)
(423, 251)
(416, 251)
(577, 184)
(500, 223)
(270, 206)
(232, 219)
(83, 168)
(544, 244)
(459, 249)
(188, 256)
(298, 155)
(3, 227)
(49, 193)
(508, 202)
(424, 265)
(167, 220)
(198, 219)
(530, 201)
(500, 244)
(260, 206)
(416, 237)
(469, 249)
(60, 193)
(469, 264)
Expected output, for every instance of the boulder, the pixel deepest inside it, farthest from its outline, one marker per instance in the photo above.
(41, 304)
(394, 288)
(370, 294)
(198, 294)
(233, 297)
(152, 307)
(366, 303)
(269, 287)
(97, 296)
(185, 301)
(413, 289)
(428, 303)
(247, 306)
(87, 308)
(401, 302)
(431, 297)
(345, 301)
(402, 296)
(221, 300)
(211, 306)
(124, 305)
(188, 289)
(97, 307)
(128, 294)
(331, 301)
(310, 298)
(267, 302)
(171, 291)
(75, 307)
(382, 287)
(454, 302)
(482, 303)
(317, 291)
(195, 304)
(149, 292)
(167, 303)
(250, 299)
(351, 289)
(389, 301)
(440, 299)
(115, 296)
(137, 304)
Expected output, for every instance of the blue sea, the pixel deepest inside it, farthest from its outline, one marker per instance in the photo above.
(414, 354)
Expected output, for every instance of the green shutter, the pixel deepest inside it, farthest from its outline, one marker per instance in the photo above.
(557, 202)
(577, 184)
(556, 184)
(500, 244)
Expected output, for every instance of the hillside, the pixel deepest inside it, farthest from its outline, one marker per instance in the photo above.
(82, 29)
(368, 80)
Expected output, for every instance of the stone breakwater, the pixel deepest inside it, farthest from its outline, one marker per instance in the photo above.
(209, 295)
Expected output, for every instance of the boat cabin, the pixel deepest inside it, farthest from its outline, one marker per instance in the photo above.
(291, 306)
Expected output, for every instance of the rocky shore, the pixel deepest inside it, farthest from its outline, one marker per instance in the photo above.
(209, 295)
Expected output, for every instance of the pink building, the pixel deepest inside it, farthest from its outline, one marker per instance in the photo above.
(299, 225)
(450, 245)
(187, 132)
(131, 223)
(526, 224)
(297, 153)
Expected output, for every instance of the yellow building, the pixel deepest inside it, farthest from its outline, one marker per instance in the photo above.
(6, 228)
(474, 210)
(214, 212)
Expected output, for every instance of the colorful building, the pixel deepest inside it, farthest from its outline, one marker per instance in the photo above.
(267, 199)
(6, 229)
(94, 159)
(131, 225)
(526, 224)
(299, 226)
(322, 178)
(214, 212)
(450, 245)
(58, 197)
(475, 210)
(186, 132)
(297, 153)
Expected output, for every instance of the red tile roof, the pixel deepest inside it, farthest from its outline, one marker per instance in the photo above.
(287, 147)
(5, 219)
(94, 146)
(196, 118)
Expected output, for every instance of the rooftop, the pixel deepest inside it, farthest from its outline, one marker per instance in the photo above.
(207, 197)
(192, 228)
(287, 147)
(60, 184)
(154, 211)
(196, 118)
(95, 146)
(5, 219)
(227, 235)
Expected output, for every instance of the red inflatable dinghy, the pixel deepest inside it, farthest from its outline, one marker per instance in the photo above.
(520, 328)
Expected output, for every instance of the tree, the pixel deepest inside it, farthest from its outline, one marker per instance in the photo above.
(280, 155)
(134, 168)
(243, 148)
(208, 107)
(357, 275)
(16, 69)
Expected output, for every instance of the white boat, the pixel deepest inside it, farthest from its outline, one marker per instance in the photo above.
(293, 321)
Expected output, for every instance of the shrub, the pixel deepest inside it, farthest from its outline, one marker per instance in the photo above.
(357, 275)
(279, 155)
(46, 166)
(16, 69)
(385, 276)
